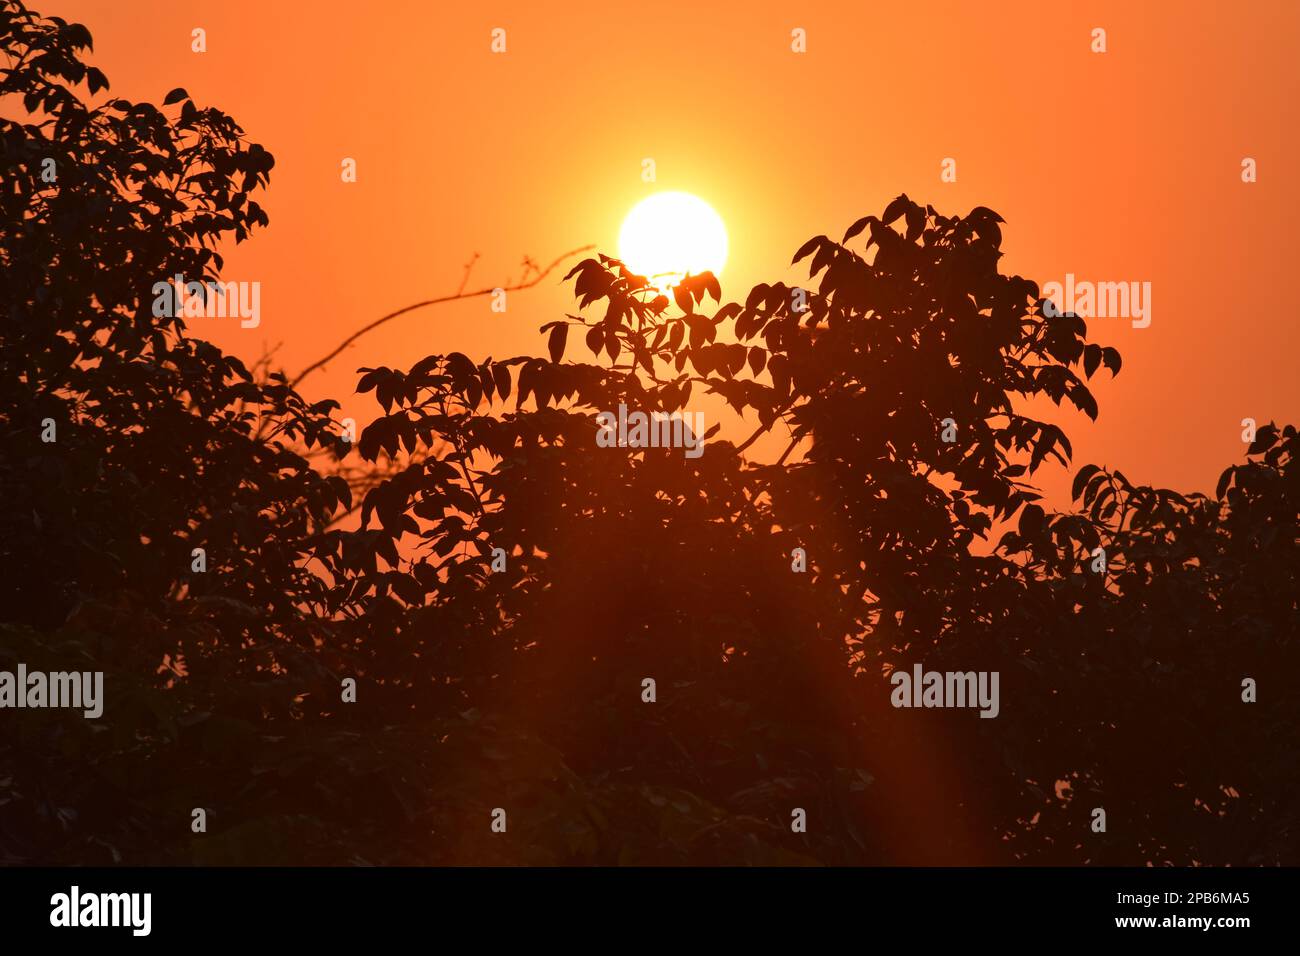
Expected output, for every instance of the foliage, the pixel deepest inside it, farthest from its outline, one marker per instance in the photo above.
(163, 444)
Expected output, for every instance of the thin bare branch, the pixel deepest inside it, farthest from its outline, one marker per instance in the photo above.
(525, 283)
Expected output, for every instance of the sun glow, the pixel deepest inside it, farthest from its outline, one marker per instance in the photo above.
(670, 234)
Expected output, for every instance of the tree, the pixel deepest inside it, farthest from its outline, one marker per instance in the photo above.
(778, 693)
(129, 443)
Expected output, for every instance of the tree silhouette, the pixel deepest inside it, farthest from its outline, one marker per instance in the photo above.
(512, 583)
(161, 443)
(628, 563)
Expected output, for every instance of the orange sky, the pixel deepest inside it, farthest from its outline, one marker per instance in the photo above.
(1117, 166)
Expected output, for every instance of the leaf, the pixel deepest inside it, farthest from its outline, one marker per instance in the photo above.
(915, 223)
(555, 345)
(728, 311)
(582, 266)
(675, 335)
(501, 375)
(1091, 359)
(856, 228)
(461, 369)
(895, 209)
(175, 96)
(712, 286)
(699, 334)
(1111, 359)
(1224, 480)
(981, 213)
(1031, 521)
(96, 80)
(806, 248)
(1047, 440)
(525, 382)
(682, 295)
(1081, 479)
(1083, 400)
(777, 366)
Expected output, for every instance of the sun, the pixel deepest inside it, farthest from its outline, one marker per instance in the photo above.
(670, 234)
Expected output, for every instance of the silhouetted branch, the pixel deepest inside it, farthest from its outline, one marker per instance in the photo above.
(524, 283)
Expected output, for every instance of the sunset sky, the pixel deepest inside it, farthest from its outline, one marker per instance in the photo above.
(1122, 166)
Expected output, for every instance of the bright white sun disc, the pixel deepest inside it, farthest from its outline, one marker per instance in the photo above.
(669, 234)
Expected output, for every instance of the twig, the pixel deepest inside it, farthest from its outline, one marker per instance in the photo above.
(766, 428)
(465, 278)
